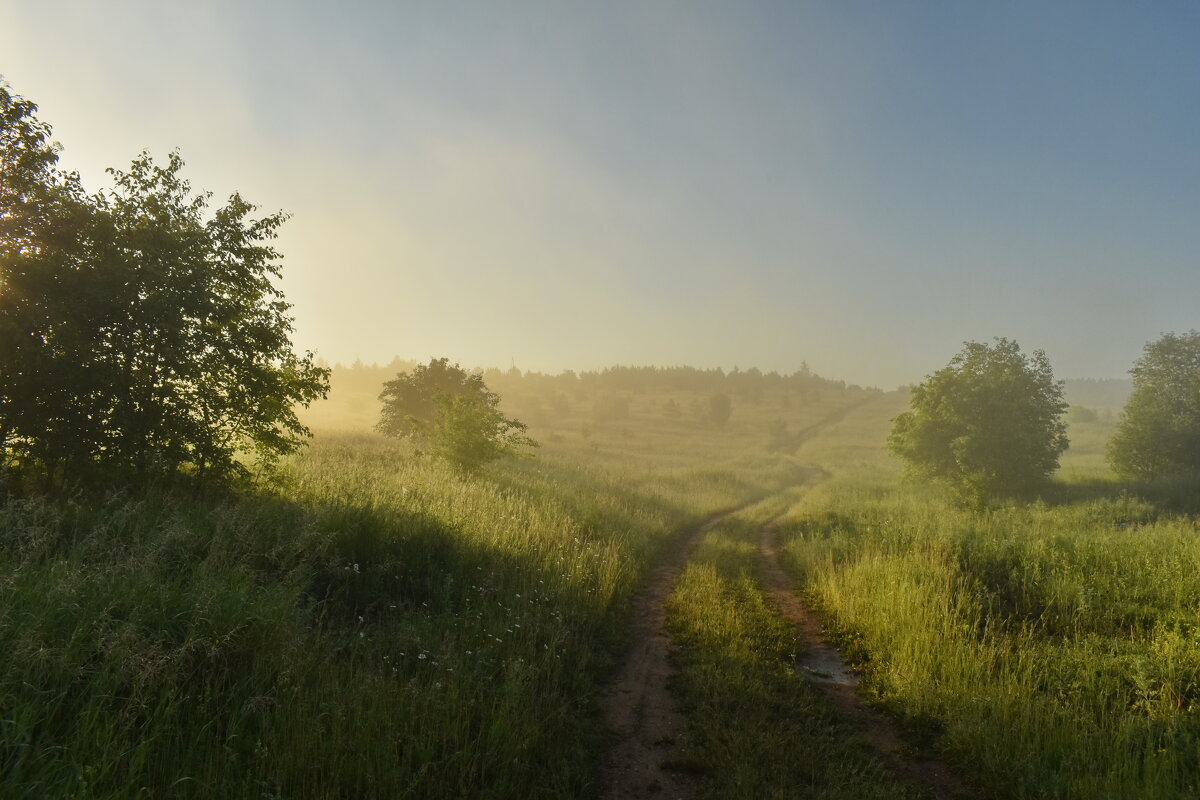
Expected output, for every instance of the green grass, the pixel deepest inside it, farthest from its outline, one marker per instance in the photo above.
(756, 729)
(1050, 649)
(371, 626)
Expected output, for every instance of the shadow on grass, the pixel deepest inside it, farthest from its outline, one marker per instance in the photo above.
(1142, 501)
(283, 638)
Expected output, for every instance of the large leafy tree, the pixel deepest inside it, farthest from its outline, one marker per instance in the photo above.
(988, 424)
(140, 330)
(1159, 432)
(452, 413)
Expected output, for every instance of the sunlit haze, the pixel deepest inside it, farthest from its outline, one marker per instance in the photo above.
(858, 186)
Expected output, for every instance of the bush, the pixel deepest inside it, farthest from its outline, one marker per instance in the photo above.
(720, 409)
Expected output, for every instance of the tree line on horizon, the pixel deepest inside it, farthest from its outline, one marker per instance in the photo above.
(142, 334)
(752, 383)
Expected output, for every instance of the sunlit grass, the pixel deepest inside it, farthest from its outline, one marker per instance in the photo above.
(756, 728)
(1049, 649)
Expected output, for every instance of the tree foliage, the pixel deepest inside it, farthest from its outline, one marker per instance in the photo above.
(140, 331)
(450, 412)
(1159, 432)
(988, 424)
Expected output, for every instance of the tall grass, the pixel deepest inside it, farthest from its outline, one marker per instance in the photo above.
(374, 626)
(1051, 649)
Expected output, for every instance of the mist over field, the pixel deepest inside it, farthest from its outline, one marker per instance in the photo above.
(859, 188)
(604, 401)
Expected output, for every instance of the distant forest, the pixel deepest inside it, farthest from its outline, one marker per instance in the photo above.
(751, 384)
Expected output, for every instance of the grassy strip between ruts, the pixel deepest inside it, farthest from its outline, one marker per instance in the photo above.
(756, 728)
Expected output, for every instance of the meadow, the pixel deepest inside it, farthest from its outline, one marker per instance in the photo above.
(370, 623)
(1048, 649)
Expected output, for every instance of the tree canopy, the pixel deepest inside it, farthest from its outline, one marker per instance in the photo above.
(988, 424)
(140, 331)
(451, 413)
(1159, 431)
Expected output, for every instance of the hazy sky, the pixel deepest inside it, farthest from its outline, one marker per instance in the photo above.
(858, 185)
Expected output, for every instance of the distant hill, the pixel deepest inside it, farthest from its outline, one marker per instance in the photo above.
(1098, 392)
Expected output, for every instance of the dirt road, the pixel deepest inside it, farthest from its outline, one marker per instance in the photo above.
(639, 706)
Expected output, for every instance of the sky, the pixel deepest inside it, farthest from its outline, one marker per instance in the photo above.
(858, 186)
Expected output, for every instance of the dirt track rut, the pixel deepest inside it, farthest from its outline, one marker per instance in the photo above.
(650, 728)
(639, 707)
(823, 666)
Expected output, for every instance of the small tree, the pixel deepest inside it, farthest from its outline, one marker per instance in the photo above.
(1159, 432)
(988, 424)
(450, 412)
(720, 408)
(410, 401)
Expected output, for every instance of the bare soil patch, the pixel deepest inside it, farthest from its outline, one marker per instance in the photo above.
(639, 707)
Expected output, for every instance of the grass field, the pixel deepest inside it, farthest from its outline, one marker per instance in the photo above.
(1049, 649)
(371, 624)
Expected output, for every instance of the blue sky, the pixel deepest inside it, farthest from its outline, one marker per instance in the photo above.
(858, 186)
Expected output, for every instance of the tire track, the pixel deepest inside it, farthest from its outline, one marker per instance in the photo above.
(823, 666)
(639, 707)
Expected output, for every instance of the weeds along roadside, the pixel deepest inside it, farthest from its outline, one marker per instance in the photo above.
(755, 727)
(377, 628)
(1051, 651)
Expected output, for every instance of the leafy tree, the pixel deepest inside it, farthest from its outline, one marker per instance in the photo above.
(989, 423)
(1159, 431)
(45, 222)
(452, 413)
(410, 401)
(720, 408)
(139, 332)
